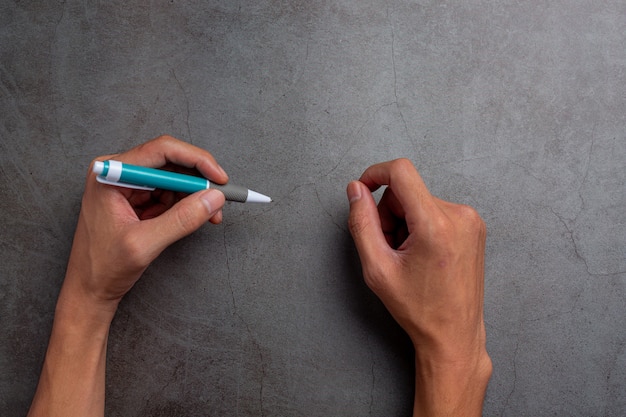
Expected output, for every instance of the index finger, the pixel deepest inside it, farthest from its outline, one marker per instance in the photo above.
(408, 187)
(166, 149)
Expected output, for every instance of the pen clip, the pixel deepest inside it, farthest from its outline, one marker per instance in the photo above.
(123, 184)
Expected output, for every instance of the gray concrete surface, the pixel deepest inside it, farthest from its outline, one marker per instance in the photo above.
(515, 107)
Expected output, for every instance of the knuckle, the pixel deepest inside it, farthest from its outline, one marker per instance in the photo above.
(456, 228)
(376, 278)
(402, 166)
(164, 138)
(442, 225)
(472, 220)
(160, 142)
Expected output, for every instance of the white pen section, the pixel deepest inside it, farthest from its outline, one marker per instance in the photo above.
(254, 197)
(98, 167)
(114, 173)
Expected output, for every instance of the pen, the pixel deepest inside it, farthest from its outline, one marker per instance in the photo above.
(132, 176)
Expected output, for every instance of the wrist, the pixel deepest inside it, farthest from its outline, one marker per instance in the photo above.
(77, 297)
(451, 387)
(81, 322)
(77, 308)
(84, 313)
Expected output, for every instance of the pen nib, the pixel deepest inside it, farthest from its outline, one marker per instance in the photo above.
(254, 197)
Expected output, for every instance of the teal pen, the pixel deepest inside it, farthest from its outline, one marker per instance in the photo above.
(132, 176)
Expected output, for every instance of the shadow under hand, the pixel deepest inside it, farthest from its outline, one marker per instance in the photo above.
(388, 340)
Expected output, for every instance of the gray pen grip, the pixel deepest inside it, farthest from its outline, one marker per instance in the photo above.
(232, 192)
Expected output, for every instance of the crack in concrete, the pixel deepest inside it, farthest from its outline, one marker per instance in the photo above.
(572, 239)
(261, 364)
(611, 368)
(57, 24)
(373, 375)
(395, 78)
(228, 277)
(508, 398)
(587, 164)
(236, 313)
(180, 86)
(395, 103)
(568, 223)
(357, 134)
(575, 244)
(332, 219)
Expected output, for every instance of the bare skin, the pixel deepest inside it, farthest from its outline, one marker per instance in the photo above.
(119, 233)
(424, 258)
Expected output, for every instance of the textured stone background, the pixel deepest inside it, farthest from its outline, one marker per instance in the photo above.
(515, 107)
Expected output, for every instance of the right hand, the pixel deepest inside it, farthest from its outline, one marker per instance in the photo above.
(424, 258)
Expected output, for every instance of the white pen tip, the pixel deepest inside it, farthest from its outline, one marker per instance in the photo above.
(254, 197)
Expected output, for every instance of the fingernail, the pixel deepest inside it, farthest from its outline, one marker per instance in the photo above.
(354, 192)
(213, 200)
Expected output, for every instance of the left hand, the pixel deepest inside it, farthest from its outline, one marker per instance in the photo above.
(121, 231)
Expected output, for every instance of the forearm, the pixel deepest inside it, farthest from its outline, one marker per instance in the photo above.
(73, 376)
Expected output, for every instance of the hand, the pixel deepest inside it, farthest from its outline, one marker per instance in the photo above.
(424, 258)
(121, 231)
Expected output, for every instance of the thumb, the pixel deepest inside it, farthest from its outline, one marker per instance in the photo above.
(182, 219)
(365, 226)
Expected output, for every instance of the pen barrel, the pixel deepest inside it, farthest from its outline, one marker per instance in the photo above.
(165, 180)
(175, 181)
